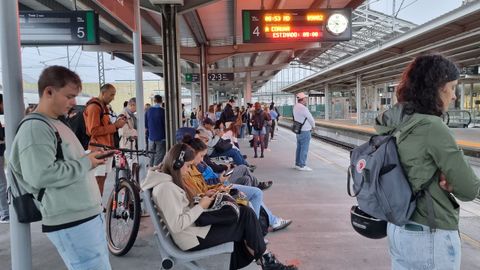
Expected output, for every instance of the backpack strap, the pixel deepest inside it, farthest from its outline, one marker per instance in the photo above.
(58, 152)
(102, 110)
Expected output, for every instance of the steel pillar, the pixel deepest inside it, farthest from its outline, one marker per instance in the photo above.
(101, 68)
(137, 59)
(327, 102)
(462, 96)
(171, 72)
(203, 78)
(248, 87)
(20, 238)
(358, 95)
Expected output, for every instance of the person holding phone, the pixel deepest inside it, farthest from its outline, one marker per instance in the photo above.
(176, 206)
(71, 208)
(195, 184)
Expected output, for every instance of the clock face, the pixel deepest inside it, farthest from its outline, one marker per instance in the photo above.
(337, 24)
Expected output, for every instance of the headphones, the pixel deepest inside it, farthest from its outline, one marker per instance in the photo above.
(178, 163)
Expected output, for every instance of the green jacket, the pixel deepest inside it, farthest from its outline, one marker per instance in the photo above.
(425, 145)
(71, 192)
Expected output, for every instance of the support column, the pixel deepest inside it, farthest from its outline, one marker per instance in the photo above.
(20, 238)
(472, 106)
(248, 87)
(171, 72)
(138, 61)
(462, 96)
(203, 78)
(358, 95)
(375, 98)
(328, 102)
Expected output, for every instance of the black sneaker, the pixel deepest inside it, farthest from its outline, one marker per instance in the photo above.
(265, 185)
(261, 156)
(255, 156)
(252, 168)
(269, 262)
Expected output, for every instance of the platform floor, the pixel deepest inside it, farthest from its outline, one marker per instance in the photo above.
(320, 237)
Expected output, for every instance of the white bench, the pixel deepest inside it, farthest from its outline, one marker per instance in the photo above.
(218, 256)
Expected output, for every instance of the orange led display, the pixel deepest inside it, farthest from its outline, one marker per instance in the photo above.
(315, 17)
(277, 18)
(277, 28)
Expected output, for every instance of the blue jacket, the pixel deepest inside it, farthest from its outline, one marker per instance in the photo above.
(209, 176)
(155, 123)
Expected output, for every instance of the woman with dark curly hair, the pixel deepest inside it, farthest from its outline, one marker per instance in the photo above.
(428, 151)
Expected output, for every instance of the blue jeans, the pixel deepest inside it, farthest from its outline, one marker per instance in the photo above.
(242, 131)
(3, 190)
(83, 246)
(159, 147)
(303, 142)
(255, 196)
(440, 250)
(234, 154)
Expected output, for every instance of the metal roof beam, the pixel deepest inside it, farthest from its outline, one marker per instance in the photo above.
(196, 28)
(192, 5)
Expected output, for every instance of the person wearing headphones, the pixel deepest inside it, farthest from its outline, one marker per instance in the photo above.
(180, 213)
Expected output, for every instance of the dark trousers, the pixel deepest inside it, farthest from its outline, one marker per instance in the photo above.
(247, 229)
(272, 130)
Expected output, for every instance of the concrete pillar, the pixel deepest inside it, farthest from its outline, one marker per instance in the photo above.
(328, 102)
(20, 238)
(462, 96)
(359, 100)
(248, 87)
(375, 99)
(472, 106)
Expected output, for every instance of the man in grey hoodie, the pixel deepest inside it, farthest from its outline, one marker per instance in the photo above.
(70, 206)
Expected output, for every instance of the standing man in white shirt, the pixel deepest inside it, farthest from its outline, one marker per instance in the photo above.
(300, 113)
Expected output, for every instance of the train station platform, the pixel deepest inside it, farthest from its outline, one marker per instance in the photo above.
(320, 236)
(467, 138)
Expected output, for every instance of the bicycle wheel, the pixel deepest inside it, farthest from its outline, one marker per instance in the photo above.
(123, 218)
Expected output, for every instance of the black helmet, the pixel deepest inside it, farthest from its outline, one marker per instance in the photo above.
(367, 225)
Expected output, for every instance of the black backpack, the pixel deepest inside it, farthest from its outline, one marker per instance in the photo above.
(76, 122)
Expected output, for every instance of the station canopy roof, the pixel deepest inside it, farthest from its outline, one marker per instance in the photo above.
(218, 25)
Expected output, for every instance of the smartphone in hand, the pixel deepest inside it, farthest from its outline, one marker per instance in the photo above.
(106, 154)
(228, 173)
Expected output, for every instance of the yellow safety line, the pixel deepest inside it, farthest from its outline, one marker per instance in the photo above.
(470, 240)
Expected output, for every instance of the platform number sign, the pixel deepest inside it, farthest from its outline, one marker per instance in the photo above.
(59, 28)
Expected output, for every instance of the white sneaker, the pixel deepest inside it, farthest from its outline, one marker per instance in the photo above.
(305, 168)
(297, 167)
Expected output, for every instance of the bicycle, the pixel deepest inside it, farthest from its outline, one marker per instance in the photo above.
(123, 209)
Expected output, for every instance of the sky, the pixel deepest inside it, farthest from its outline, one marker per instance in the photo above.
(35, 59)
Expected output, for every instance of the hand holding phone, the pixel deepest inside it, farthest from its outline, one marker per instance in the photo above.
(228, 173)
(105, 154)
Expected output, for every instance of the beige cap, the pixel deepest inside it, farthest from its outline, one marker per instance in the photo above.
(301, 95)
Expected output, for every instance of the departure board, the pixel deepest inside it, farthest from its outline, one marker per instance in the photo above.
(287, 25)
(59, 28)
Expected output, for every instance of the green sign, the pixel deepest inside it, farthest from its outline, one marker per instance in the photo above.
(59, 28)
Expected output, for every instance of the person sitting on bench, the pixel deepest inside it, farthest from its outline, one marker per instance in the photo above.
(179, 213)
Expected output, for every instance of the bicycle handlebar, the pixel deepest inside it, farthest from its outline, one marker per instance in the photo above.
(123, 150)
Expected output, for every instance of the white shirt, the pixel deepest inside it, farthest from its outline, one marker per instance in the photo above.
(300, 113)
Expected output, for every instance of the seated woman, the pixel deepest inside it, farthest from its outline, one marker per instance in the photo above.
(230, 133)
(195, 184)
(177, 209)
(241, 175)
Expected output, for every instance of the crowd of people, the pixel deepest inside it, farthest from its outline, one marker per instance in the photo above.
(49, 161)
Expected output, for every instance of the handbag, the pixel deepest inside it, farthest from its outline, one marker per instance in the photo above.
(223, 145)
(223, 211)
(297, 126)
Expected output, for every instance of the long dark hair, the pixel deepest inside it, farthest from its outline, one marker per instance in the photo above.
(195, 143)
(171, 157)
(421, 82)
